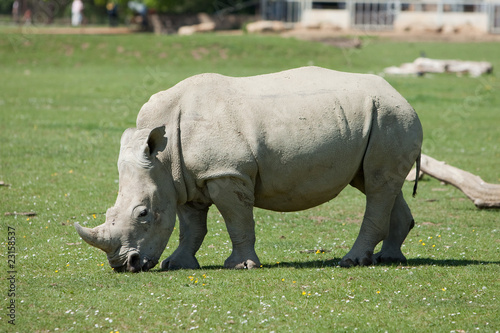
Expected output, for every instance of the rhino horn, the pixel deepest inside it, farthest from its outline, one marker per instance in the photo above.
(98, 236)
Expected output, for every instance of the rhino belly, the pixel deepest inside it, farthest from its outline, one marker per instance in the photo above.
(301, 197)
(305, 180)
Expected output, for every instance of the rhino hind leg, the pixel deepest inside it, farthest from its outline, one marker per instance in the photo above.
(380, 179)
(192, 231)
(235, 202)
(400, 225)
(374, 228)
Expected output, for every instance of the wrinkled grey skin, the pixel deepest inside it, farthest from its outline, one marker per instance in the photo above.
(285, 142)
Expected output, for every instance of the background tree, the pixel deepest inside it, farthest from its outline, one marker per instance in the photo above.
(6, 6)
(186, 6)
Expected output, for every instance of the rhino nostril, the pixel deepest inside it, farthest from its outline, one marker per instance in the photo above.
(134, 262)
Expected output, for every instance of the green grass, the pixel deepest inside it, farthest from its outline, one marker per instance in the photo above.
(64, 102)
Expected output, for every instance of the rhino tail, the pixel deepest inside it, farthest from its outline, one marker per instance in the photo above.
(417, 174)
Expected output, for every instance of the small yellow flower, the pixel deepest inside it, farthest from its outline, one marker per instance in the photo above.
(28, 219)
(93, 215)
(204, 276)
(420, 241)
(67, 265)
(378, 291)
(261, 266)
(423, 244)
(433, 245)
(318, 251)
(46, 227)
(56, 271)
(439, 235)
(102, 264)
(303, 293)
(443, 289)
(294, 281)
(196, 281)
(70, 171)
(202, 284)
(282, 280)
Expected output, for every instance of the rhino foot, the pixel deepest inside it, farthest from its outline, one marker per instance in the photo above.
(247, 264)
(388, 258)
(365, 260)
(171, 264)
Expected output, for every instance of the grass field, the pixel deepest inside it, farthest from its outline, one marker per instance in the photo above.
(64, 102)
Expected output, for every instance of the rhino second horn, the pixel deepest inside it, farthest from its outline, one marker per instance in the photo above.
(98, 236)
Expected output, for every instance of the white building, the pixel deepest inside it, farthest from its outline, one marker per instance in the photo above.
(481, 16)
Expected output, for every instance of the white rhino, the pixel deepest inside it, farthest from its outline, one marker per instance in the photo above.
(285, 142)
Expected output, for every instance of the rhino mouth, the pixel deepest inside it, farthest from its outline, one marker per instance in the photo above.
(135, 264)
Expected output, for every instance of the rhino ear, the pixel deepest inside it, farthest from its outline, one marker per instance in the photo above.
(156, 142)
(126, 136)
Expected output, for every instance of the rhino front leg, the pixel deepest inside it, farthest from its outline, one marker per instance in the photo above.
(400, 225)
(235, 202)
(193, 228)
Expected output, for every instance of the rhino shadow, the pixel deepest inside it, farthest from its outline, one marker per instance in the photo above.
(334, 262)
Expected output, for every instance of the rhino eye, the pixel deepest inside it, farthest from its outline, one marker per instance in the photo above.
(143, 213)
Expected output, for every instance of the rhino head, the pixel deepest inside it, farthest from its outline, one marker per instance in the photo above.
(139, 225)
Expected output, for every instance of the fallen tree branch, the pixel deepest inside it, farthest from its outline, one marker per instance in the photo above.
(484, 195)
(20, 213)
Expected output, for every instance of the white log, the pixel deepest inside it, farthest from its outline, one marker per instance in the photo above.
(484, 195)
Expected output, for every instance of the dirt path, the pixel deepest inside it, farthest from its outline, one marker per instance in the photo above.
(46, 30)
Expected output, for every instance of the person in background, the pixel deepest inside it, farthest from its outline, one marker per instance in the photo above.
(15, 11)
(76, 12)
(27, 17)
(140, 11)
(112, 9)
